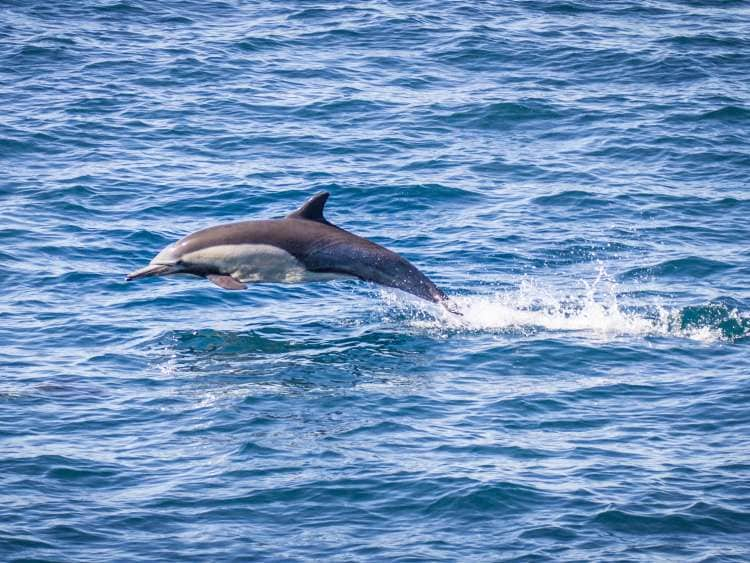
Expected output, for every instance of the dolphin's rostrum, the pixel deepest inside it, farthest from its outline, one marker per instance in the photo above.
(303, 246)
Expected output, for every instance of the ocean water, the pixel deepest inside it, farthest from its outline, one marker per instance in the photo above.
(574, 173)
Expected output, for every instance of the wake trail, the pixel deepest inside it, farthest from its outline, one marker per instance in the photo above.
(600, 309)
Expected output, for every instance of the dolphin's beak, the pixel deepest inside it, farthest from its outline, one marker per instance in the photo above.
(152, 270)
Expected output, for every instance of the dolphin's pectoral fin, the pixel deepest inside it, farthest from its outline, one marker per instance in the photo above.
(226, 282)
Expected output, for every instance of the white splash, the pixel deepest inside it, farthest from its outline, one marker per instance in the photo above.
(594, 311)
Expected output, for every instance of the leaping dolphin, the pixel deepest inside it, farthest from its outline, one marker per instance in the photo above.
(301, 247)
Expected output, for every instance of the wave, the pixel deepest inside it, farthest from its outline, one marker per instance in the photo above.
(685, 268)
(500, 115)
(572, 198)
(724, 114)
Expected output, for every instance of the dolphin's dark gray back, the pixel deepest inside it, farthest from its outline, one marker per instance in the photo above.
(321, 247)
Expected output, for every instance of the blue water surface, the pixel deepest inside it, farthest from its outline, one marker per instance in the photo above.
(574, 173)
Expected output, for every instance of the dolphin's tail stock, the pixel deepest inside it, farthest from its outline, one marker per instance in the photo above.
(363, 259)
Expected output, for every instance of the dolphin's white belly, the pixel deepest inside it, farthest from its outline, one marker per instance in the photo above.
(255, 263)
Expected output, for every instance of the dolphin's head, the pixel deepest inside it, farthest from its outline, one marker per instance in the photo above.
(168, 261)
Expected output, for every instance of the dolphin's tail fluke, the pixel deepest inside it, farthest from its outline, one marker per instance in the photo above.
(451, 307)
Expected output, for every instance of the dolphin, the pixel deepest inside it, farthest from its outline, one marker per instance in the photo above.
(302, 247)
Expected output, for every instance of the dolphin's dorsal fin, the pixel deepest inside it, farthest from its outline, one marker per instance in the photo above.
(312, 209)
